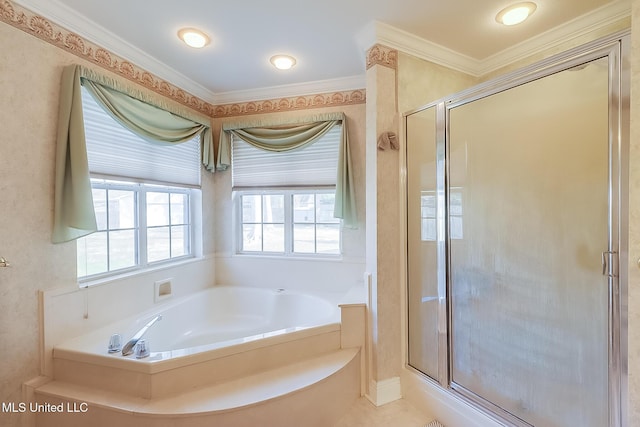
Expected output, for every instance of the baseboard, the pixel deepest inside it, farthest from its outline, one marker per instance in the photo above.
(385, 391)
(448, 409)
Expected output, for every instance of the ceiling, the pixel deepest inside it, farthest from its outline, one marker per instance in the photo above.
(327, 37)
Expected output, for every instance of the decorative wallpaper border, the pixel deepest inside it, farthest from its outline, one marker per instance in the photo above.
(382, 55)
(49, 32)
(290, 104)
(42, 28)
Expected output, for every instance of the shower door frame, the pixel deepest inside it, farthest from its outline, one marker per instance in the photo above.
(615, 257)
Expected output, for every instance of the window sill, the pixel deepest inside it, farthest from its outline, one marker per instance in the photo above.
(283, 257)
(128, 274)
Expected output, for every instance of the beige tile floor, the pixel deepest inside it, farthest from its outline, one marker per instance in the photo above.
(395, 414)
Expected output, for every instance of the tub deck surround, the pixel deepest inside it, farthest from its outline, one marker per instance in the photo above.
(164, 378)
(209, 337)
(240, 392)
(277, 350)
(213, 320)
(70, 312)
(314, 392)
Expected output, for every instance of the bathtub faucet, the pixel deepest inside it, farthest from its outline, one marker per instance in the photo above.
(128, 347)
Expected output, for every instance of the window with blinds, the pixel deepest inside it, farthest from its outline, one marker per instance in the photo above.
(284, 201)
(144, 195)
(314, 165)
(113, 150)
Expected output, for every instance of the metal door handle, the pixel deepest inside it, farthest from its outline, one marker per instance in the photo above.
(609, 264)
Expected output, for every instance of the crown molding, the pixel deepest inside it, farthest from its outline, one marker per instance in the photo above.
(374, 33)
(89, 30)
(384, 34)
(590, 22)
(380, 33)
(308, 88)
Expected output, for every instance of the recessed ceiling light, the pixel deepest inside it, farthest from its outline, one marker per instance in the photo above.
(193, 37)
(283, 62)
(516, 13)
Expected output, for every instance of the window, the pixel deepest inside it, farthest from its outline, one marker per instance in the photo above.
(455, 213)
(144, 198)
(289, 222)
(114, 151)
(315, 230)
(285, 200)
(428, 214)
(263, 222)
(138, 225)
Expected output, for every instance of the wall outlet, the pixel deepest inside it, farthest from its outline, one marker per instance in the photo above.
(162, 290)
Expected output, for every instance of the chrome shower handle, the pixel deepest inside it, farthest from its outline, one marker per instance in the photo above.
(4, 262)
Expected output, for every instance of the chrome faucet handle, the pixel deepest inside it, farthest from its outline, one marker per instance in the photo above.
(4, 262)
(141, 349)
(115, 343)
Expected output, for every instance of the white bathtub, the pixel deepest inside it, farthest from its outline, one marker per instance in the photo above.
(211, 324)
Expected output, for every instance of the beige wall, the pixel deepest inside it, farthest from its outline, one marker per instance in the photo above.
(421, 82)
(28, 106)
(30, 71)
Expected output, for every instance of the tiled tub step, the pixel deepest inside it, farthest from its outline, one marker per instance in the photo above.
(313, 392)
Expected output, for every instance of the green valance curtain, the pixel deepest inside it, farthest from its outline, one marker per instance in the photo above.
(291, 134)
(150, 123)
(136, 109)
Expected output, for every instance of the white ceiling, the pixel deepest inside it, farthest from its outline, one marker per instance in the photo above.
(327, 37)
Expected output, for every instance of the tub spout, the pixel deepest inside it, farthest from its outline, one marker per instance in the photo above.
(128, 347)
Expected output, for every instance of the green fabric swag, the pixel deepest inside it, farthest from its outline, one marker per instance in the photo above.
(73, 207)
(137, 110)
(283, 135)
(150, 123)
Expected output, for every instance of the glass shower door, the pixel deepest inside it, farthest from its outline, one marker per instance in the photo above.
(425, 322)
(529, 178)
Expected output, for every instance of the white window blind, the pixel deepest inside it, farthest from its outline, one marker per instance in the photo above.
(114, 151)
(315, 165)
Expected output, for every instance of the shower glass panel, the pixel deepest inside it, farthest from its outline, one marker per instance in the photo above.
(422, 242)
(529, 176)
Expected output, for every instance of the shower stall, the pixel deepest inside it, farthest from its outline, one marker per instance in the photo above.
(516, 193)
